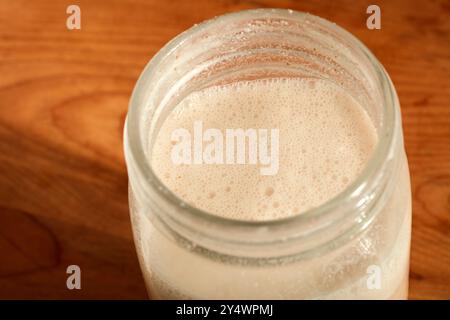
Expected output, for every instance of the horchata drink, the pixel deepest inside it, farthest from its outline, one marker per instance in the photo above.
(266, 161)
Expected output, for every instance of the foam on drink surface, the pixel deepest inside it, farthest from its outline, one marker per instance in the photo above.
(325, 140)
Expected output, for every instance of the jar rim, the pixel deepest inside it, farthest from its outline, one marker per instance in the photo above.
(135, 152)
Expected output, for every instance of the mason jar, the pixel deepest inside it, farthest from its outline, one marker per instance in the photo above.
(353, 246)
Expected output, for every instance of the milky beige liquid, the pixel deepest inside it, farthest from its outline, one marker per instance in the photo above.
(325, 140)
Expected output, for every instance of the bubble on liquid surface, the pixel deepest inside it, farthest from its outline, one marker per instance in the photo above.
(325, 140)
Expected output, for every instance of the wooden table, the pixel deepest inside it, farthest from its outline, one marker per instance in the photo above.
(64, 96)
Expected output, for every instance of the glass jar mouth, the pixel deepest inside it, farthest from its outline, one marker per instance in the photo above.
(136, 155)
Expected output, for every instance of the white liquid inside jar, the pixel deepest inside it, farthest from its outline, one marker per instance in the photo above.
(326, 140)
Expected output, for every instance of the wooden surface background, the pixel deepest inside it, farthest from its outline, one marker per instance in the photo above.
(64, 96)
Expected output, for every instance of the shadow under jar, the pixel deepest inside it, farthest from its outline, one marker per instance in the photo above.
(353, 246)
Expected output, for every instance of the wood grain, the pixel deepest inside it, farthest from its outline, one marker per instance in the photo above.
(64, 96)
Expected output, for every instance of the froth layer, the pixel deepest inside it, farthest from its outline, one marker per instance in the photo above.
(325, 139)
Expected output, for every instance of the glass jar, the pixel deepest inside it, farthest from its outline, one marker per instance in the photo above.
(354, 246)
